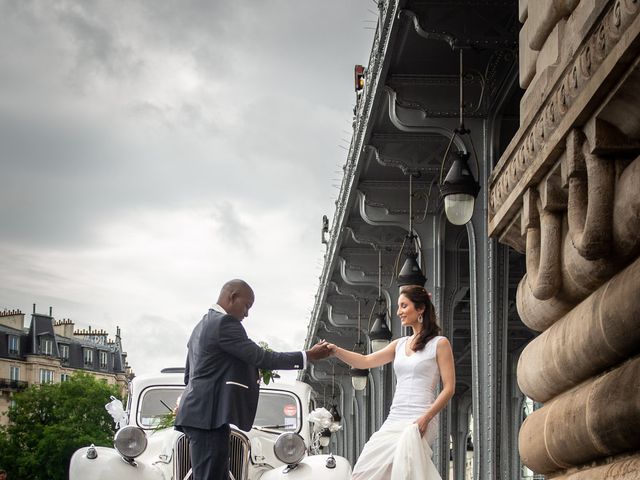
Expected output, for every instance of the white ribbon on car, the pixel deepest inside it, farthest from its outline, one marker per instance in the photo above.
(322, 420)
(117, 412)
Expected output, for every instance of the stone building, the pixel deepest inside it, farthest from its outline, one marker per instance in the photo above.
(565, 193)
(49, 351)
(536, 99)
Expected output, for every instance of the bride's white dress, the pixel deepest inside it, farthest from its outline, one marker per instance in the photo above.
(397, 451)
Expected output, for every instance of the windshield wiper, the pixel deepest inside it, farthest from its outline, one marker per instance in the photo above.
(268, 426)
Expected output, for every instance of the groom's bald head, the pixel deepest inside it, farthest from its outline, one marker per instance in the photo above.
(236, 297)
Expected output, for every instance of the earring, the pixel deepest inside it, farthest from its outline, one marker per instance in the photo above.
(420, 318)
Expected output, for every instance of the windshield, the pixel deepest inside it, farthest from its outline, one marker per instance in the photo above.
(156, 403)
(278, 411)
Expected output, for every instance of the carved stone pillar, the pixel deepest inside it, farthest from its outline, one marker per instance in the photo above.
(565, 192)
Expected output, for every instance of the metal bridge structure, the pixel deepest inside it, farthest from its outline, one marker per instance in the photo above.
(539, 96)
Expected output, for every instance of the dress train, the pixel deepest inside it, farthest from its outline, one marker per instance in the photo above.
(396, 452)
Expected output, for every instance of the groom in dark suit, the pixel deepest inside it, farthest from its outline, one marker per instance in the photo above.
(221, 378)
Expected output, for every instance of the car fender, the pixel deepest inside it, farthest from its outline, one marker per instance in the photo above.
(311, 468)
(108, 465)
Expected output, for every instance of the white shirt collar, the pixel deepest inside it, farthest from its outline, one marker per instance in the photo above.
(218, 308)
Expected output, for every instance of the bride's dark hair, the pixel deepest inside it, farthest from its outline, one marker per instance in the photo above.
(421, 299)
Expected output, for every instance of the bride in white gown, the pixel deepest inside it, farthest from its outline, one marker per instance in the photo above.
(401, 449)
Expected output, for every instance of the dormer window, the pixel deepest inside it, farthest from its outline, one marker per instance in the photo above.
(104, 360)
(14, 345)
(46, 346)
(64, 352)
(88, 357)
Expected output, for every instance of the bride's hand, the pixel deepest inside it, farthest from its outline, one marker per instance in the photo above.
(423, 424)
(332, 348)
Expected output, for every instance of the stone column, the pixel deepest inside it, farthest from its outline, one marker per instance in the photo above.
(565, 193)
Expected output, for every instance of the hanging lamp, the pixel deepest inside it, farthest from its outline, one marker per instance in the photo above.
(380, 335)
(334, 407)
(359, 375)
(459, 188)
(411, 273)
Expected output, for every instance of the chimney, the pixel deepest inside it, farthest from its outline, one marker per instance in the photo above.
(13, 319)
(51, 312)
(64, 328)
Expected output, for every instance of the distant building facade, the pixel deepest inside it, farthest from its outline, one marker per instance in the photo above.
(50, 351)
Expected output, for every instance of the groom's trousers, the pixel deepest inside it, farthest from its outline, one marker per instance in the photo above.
(209, 452)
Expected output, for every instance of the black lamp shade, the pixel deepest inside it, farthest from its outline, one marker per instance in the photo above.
(410, 273)
(380, 329)
(460, 179)
(380, 335)
(459, 191)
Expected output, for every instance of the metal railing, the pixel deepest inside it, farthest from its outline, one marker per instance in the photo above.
(238, 457)
(13, 385)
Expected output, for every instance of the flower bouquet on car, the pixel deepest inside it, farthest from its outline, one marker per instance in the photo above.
(169, 418)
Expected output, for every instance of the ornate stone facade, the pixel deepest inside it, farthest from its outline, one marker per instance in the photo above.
(565, 192)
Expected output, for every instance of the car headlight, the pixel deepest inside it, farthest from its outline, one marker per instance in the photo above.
(130, 442)
(289, 448)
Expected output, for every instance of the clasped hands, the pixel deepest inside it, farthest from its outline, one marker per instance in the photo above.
(320, 350)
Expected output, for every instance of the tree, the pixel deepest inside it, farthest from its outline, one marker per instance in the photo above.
(49, 422)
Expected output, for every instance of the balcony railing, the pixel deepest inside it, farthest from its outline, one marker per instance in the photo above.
(12, 385)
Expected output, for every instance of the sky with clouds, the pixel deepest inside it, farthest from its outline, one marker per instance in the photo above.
(151, 150)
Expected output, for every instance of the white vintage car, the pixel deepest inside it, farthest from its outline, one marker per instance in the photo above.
(279, 446)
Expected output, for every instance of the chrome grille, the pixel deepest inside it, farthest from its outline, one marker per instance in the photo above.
(238, 456)
(182, 463)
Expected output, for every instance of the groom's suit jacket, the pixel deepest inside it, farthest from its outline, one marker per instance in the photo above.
(221, 374)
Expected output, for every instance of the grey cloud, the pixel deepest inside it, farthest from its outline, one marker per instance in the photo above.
(30, 272)
(148, 333)
(72, 48)
(91, 136)
(61, 179)
(230, 228)
(98, 50)
(188, 117)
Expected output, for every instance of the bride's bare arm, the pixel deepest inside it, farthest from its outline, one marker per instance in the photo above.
(357, 360)
(446, 365)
